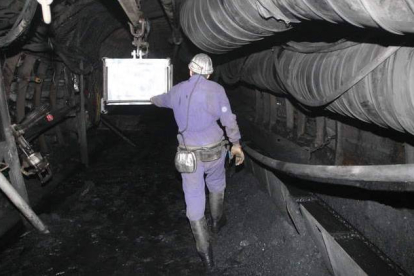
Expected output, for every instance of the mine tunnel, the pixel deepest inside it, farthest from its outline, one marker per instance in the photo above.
(96, 177)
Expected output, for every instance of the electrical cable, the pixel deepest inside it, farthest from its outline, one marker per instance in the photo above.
(21, 24)
(188, 111)
(371, 177)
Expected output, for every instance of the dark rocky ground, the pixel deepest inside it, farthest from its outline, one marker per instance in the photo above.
(125, 215)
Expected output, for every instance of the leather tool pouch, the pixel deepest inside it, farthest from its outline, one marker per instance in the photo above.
(185, 161)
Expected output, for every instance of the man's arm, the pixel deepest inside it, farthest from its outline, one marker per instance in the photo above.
(164, 100)
(228, 119)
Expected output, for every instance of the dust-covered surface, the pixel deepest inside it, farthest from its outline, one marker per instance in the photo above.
(126, 216)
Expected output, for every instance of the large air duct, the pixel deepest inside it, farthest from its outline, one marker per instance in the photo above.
(218, 26)
(382, 97)
(368, 82)
(257, 69)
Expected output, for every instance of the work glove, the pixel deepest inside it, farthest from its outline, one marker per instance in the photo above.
(237, 151)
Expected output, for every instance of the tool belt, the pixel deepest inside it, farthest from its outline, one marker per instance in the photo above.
(186, 157)
(206, 153)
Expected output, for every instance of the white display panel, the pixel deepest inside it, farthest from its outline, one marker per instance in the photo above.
(135, 81)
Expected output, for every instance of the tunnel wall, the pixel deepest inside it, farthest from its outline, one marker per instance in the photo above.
(384, 218)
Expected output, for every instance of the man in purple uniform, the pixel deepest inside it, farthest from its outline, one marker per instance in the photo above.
(198, 104)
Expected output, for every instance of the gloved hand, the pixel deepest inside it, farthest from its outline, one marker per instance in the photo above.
(237, 151)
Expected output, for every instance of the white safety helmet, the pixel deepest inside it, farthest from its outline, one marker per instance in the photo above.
(201, 64)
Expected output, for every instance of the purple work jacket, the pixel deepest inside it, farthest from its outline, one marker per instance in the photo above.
(209, 103)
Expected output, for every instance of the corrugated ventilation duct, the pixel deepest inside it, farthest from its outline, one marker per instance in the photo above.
(382, 97)
(218, 26)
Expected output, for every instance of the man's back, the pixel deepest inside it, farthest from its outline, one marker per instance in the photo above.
(198, 101)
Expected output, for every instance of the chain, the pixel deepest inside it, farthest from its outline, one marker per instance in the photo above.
(140, 32)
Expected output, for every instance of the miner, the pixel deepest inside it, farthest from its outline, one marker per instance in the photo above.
(198, 104)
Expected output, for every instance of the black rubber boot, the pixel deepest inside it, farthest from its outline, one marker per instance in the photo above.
(202, 238)
(216, 209)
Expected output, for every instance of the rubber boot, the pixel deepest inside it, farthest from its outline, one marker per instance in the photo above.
(202, 238)
(216, 209)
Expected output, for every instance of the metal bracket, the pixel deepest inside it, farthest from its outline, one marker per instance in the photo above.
(35, 163)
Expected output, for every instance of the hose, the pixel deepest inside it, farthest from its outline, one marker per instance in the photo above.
(379, 177)
(219, 26)
(349, 83)
(21, 24)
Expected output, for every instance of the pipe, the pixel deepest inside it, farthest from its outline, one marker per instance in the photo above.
(20, 204)
(218, 26)
(352, 78)
(376, 81)
(381, 177)
(257, 69)
(368, 82)
(48, 121)
(21, 24)
(10, 153)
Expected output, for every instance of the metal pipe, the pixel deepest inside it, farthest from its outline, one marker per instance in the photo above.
(20, 204)
(381, 177)
(218, 26)
(52, 119)
(10, 154)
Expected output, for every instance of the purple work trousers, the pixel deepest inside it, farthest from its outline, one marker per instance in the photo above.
(194, 183)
